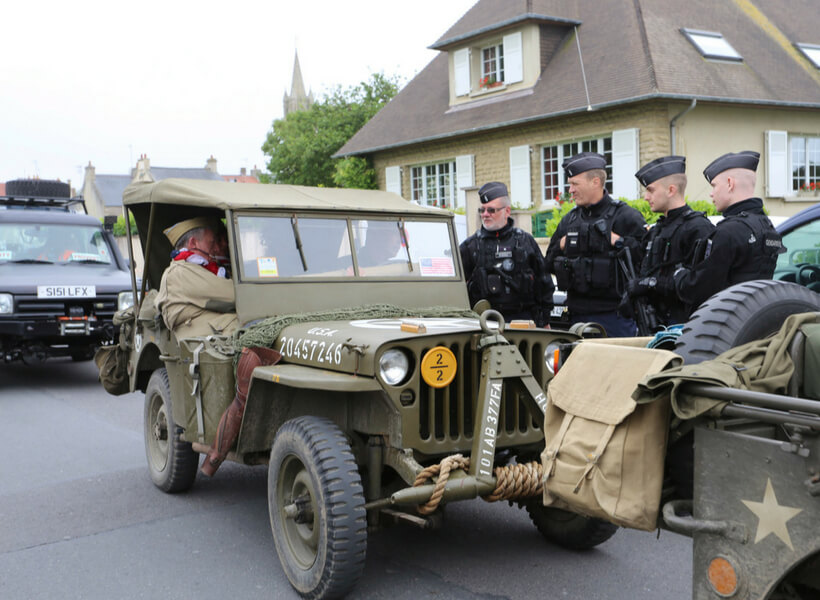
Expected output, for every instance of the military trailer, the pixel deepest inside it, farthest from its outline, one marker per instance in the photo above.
(392, 397)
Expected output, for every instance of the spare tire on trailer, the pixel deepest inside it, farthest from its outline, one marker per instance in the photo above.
(42, 188)
(739, 314)
(744, 312)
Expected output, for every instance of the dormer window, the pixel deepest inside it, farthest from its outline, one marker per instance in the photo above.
(712, 45)
(494, 65)
(812, 52)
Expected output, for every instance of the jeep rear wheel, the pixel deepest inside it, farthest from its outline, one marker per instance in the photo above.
(567, 529)
(172, 462)
(316, 507)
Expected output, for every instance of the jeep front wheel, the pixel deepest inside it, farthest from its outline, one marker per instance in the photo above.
(172, 462)
(316, 507)
(567, 529)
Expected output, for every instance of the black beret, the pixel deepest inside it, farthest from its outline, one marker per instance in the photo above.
(583, 161)
(491, 191)
(661, 167)
(733, 160)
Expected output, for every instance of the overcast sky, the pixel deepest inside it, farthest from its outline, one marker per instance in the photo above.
(180, 80)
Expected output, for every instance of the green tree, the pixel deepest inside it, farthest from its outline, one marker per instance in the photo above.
(300, 146)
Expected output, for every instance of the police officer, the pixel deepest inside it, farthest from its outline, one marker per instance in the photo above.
(744, 245)
(583, 250)
(672, 242)
(503, 264)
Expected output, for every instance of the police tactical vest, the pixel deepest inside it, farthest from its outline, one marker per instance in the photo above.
(502, 273)
(660, 251)
(764, 245)
(589, 263)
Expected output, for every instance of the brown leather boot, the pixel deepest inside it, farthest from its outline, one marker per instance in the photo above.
(231, 421)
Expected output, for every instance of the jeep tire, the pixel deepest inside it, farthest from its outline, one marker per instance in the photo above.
(172, 462)
(316, 507)
(744, 312)
(567, 529)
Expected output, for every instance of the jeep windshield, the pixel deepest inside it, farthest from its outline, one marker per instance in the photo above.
(277, 247)
(33, 243)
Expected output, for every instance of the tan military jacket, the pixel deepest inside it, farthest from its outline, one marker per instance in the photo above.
(195, 302)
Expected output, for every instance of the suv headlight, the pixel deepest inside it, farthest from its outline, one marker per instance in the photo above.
(125, 300)
(6, 304)
(393, 366)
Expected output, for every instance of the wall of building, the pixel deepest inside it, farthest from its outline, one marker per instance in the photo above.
(710, 130)
(702, 134)
(491, 149)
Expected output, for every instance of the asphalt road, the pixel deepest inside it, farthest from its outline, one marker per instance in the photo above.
(80, 519)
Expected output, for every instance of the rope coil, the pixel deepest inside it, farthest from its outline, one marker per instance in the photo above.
(521, 480)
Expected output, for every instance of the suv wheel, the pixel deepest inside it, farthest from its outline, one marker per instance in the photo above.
(568, 529)
(172, 462)
(316, 507)
(82, 354)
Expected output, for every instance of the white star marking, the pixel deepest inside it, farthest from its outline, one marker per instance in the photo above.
(771, 516)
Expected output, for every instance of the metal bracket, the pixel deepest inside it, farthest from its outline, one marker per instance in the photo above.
(193, 370)
(677, 514)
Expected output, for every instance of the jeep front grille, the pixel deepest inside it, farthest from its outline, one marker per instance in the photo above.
(446, 415)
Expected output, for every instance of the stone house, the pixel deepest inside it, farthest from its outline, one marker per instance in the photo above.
(520, 85)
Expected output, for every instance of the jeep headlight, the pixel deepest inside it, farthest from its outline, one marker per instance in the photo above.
(125, 300)
(393, 366)
(6, 304)
(552, 357)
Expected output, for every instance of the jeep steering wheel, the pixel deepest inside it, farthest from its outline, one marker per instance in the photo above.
(808, 274)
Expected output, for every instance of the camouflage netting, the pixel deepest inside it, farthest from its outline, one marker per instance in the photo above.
(265, 332)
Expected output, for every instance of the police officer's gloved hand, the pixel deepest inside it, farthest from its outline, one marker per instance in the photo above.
(644, 285)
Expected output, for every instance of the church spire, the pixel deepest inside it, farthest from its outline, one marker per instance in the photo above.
(297, 99)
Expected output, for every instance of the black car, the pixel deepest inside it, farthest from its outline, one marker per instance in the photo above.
(801, 237)
(62, 278)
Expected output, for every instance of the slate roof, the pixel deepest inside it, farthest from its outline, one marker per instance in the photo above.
(632, 50)
(110, 188)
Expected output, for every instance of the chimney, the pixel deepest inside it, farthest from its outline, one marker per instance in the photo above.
(211, 164)
(90, 172)
(243, 171)
(143, 169)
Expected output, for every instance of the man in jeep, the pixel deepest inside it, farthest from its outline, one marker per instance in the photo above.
(195, 296)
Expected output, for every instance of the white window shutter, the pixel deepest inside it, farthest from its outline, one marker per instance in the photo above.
(392, 177)
(461, 68)
(520, 186)
(625, 164)
(464, 178)
(777, 164)
(513, 58)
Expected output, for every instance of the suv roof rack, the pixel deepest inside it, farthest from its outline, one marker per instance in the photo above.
(76, 205)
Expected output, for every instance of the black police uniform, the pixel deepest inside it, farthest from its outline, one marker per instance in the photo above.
(743, 247)
(675, 241)
(506, 268)
(587, 267)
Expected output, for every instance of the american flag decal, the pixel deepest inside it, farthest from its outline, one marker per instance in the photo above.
(436, 267)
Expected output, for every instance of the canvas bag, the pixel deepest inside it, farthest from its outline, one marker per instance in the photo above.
(604, 454)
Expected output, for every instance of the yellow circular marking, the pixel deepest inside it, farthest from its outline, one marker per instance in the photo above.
(438, 367)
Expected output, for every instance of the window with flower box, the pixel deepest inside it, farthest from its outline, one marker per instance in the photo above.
(804, 154)
(492, 67)
(434, 184)
(552, 157)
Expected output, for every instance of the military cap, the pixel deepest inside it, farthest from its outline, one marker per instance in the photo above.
(661, 167)
(733, 160)
(582, 162)
(491, 191)
(175, 232)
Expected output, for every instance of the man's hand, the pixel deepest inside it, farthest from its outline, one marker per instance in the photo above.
(644, 285)
(563, 242)
(613, 238)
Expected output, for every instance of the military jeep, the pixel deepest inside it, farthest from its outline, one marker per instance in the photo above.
(392, 398)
